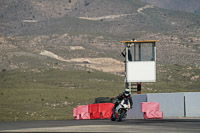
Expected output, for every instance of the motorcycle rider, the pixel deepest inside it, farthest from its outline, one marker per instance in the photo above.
(121, 96)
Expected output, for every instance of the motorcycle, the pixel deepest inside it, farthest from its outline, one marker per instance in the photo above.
(121, 110)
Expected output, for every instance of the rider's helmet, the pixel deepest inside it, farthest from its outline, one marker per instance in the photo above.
(127, 92)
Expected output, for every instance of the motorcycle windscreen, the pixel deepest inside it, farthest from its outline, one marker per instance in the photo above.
(126, 101)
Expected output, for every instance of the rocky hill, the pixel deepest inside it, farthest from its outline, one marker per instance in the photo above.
(192, 6)
(27, 28)
(57, 54)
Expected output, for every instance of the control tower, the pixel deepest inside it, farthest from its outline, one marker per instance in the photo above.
(140, 62)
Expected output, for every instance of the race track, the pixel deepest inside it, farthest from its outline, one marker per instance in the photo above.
(139, 126)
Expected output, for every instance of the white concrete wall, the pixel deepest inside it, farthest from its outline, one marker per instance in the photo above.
(172, 105)
(135, 112)
(192, 104)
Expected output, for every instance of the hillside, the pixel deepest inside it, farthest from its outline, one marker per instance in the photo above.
(52, 51)
(192, 6)
(101, 28)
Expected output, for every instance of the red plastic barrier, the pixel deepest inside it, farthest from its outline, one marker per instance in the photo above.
(151, 110)
(93, 109)
(82, 112)
(105, 110)
(75, 114)
(149, 106)
(152, 114)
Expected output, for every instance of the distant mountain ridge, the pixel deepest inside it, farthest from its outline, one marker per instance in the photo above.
(192, 6)
(57, 54)
(29, 27)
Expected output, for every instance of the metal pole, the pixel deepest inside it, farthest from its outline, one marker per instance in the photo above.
(126, 61)
(140, 54)
(134, 52)
(139, 88)
(155, 52)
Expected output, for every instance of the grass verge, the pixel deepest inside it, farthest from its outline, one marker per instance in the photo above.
(52, 94)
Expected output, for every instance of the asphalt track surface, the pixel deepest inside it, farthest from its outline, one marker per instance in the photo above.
(135, 126)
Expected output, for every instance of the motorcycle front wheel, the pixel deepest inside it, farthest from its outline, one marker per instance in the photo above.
(121, 115)
(112, 117)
